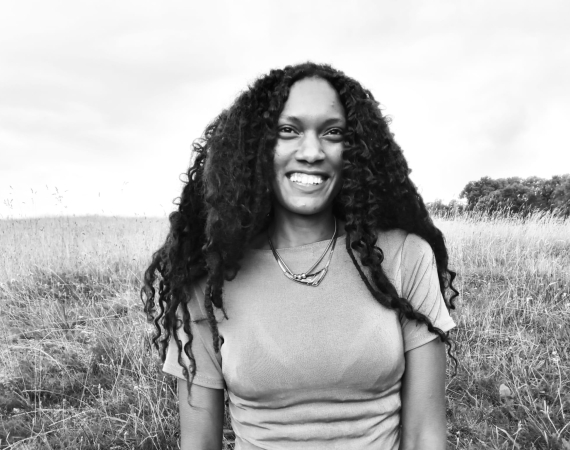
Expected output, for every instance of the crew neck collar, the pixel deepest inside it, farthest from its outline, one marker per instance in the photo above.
(312, 246)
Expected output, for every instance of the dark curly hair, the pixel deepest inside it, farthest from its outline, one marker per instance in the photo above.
(227, 201)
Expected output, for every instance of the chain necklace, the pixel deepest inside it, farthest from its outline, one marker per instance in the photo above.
(307, 278)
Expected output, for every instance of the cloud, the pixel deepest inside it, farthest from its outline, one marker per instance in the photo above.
(122, 88)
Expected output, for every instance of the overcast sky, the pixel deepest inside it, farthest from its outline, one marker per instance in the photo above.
(100, 101)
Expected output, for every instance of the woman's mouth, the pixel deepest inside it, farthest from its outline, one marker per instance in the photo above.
(305, 179)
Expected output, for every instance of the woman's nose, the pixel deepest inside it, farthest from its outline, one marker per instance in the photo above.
(311, 149)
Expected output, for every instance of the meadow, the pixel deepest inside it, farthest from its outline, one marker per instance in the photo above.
(77, 369)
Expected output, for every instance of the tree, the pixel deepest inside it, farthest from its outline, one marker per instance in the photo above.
(520, 196)
(476, 190)
(561, 195)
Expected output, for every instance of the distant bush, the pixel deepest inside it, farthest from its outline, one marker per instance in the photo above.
(440, 209)
(509, 196)
(519, 195)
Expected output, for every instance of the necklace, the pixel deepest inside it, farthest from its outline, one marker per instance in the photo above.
(307, 278)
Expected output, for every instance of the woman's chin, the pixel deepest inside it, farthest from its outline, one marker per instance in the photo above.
(307, 209)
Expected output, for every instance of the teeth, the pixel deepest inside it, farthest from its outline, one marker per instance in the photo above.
(303, 178)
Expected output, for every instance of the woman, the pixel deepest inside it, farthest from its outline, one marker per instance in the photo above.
(308, 277)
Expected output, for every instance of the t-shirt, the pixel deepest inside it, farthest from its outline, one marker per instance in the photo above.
(315, 367)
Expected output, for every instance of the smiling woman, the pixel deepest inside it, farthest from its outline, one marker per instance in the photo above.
(308, 154)
(318, 345)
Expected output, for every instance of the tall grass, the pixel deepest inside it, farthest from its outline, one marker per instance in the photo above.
(513, 389)
(77, 369)
(94, 245)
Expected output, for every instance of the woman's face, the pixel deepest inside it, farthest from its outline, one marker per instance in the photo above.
(308, 155)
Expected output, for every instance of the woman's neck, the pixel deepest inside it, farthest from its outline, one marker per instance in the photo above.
(294, 230)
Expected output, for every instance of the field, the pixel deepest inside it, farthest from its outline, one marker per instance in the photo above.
(77, 369)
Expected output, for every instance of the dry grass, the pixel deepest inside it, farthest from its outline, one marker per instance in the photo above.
(512, 331)
(77, 369)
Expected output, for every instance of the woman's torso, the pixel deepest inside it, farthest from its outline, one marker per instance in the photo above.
(312, 367)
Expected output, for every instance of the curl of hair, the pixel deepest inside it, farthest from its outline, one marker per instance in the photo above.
(227, 201)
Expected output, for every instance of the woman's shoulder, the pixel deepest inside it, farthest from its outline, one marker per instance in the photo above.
(392, 236)
(195, 298)
(400, 242)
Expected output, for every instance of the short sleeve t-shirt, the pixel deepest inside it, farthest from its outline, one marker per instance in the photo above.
(315, 368)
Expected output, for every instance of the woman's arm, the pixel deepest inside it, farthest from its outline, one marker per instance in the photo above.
(201, 427)
(423, 398)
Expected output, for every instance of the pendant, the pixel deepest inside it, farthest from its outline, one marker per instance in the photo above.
(313, 279)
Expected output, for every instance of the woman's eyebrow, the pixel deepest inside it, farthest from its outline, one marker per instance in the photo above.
(333, 121)
(289, 119)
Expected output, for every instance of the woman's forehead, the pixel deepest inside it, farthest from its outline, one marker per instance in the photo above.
(311, 97)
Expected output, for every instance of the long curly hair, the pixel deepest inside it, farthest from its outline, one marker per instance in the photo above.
(227, 201)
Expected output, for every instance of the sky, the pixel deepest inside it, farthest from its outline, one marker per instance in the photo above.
(100, 100)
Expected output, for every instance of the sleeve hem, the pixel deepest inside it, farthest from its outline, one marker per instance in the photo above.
(425, 338)
(198, 379)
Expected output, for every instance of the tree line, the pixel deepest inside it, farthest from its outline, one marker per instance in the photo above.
(512, 195)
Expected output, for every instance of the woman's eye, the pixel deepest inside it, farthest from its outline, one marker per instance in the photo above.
(335, 132)
(286, 130)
